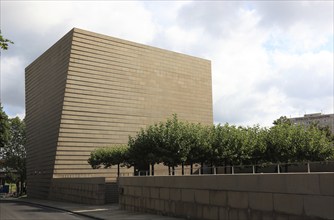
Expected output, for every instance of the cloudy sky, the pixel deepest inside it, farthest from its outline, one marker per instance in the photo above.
(269, 58)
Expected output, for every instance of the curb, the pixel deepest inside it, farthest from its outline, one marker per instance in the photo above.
(57, 208)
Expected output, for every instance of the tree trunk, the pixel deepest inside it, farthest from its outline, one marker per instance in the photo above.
(21, 192)
(23, 188)
(152, 169)
(225, 168)
(17, 189)
(173, 170)
(169, 170)
(182, 168)
(118, 170)
(191, 168)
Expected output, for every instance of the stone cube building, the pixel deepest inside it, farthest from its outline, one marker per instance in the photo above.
(91, 90)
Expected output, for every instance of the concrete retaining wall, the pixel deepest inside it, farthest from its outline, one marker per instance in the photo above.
(232, 197)
(111, 192)
(80, 190)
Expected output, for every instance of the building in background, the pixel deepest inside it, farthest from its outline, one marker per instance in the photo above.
(322, 120)
(89, 91)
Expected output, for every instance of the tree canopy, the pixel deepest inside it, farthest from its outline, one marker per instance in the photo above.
(13, 152)
(4, 128)
(108, 156)
(176, 142)
(4, 42)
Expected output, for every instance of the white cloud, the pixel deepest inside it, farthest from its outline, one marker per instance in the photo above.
(285, 15)
(121, 19)
(297, 26)
(12, 85)
(250, 107)
(129, 20)
(181, 40)
(307, 80)
(269, 58)
(36, 25)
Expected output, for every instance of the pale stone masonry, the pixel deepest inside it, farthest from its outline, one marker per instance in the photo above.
(90, 90)
(232, 197)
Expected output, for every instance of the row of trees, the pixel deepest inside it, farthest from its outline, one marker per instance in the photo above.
(12, 150)
(177, 143)
(12, 142)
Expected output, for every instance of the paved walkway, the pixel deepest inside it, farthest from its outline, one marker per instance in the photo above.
(99, 212)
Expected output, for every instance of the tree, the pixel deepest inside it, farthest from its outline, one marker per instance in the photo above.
(199, 142)
(226, 145)
(4, 131)
(175, 143)
(279, 144)
(145, 148)
(288, 143)
(255, 143)
(317, 146)
(282, 120)
(4, 42)
(4, 136)
(109, 156)
(14, 153)
(95, 158)
(324, 129)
